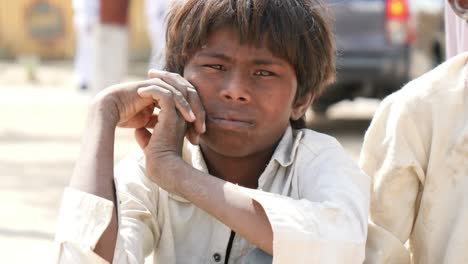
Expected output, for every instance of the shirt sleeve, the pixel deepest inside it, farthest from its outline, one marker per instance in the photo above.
(393, 155)
(328, 224)
(83, 218)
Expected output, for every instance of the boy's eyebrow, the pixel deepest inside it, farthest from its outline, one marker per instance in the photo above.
(215, 55)
(258, 61)
(267, 62)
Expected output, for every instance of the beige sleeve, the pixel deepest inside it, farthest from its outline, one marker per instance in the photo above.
(329, 223)
(394, 156)
(84, 217)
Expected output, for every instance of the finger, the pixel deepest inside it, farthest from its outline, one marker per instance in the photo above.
(142, 136)
(192, 136)
(188, 90)
(165, 100)
(179, 99)
(171, 78)
(169, 131)
(140, 119)
(152, 121)
(198, 109)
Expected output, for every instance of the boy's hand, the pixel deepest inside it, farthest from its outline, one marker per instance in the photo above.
(124, 107)
(163, 147)
(184, 93)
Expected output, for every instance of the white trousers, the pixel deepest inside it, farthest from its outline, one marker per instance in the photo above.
(109, 56)
(156, 31)
(83, 52)
(155, 11)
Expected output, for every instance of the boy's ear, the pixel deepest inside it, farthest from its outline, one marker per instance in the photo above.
(301, 105)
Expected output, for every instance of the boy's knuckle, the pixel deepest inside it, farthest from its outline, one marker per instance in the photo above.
(173, 75)
(179, 91)
(182, 91)
(167, 94)
(192, 90)
(182, 102)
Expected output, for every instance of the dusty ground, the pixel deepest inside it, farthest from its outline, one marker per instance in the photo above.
(41, 124)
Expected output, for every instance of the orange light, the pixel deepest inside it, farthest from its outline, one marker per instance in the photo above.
(397, 9)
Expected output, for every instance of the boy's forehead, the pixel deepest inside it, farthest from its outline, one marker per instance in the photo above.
(227, 41)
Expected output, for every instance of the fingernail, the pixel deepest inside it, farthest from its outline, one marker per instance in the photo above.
(204, 127)
(192, 115)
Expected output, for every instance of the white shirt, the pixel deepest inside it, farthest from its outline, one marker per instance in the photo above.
(156, 8)
(85, 12)
(316, 199)
(416, 152)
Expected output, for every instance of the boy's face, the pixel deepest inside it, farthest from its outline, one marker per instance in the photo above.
(248, 95)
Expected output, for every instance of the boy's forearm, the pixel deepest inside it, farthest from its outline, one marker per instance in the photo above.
(227, 203)
(93, 171)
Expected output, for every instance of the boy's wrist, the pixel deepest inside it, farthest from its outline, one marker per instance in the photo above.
(169, 173)
(105, 110)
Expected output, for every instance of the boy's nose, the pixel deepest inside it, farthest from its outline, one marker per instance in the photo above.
(237, 88)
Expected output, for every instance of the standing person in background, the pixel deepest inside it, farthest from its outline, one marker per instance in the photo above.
(416, 152)
(85, 19)
(456, 33)
(110, 47)
(155, 11)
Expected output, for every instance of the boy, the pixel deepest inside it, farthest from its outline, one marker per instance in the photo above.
(251, 178)
(416, 151)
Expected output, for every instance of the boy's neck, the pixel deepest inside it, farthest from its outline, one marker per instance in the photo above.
(244, 171)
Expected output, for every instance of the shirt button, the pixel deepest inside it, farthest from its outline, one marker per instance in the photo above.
(217, 257)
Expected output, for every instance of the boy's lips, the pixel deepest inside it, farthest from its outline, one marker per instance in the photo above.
(230, 122)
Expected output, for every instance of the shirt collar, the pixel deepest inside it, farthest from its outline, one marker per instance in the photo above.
(285, 152)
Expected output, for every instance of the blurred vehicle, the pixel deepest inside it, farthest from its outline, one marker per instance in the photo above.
(381, 45)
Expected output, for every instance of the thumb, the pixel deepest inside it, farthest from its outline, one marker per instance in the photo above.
(142, 136)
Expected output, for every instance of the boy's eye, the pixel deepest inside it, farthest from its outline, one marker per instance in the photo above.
(264, 73)
(216, 67)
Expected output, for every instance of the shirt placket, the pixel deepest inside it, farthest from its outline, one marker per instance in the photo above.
(240, 248)
(219, 241)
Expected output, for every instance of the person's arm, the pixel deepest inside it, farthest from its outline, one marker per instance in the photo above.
(394, 156)
(94, 169)
(93, 174)
(84, 217)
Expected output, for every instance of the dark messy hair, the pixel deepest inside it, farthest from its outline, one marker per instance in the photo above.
(295, 30)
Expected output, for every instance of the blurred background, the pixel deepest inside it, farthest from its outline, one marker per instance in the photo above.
(55, 54)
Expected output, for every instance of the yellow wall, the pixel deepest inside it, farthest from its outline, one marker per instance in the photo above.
(139, 44)
(16, 39)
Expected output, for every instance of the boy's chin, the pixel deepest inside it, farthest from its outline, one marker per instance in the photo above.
(227, 148)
